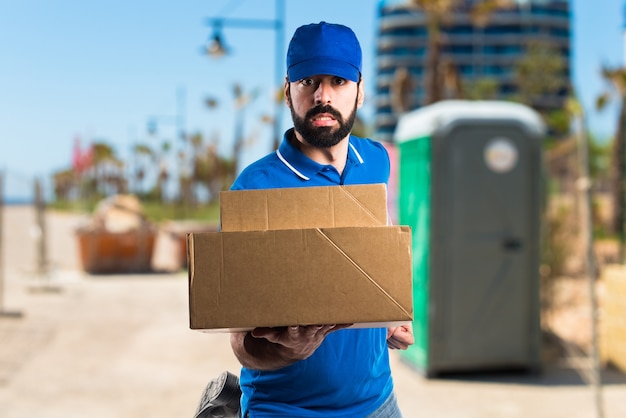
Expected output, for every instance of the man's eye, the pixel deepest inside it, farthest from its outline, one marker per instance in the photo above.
(340, 81)
(306, 82)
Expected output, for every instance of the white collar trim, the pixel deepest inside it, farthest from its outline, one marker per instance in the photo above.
(302, 176)
(292, 168)
(356, 152)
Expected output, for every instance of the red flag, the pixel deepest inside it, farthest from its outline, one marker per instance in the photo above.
(81, 159)
(77, 156)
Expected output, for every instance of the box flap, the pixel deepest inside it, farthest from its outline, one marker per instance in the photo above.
(304, 207)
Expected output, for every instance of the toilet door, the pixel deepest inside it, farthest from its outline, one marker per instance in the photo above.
(485, 262)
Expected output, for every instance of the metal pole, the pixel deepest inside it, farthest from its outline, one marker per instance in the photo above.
(279, 73)
(584, 188)
(278, 26)
(183, 201)
(3, 313)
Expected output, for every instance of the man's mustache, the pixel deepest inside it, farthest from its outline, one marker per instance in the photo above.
(324, 109)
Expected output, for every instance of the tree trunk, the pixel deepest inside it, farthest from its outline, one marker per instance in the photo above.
(434, 83)
(619, 170)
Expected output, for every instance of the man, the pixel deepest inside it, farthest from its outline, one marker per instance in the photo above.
(325, 370)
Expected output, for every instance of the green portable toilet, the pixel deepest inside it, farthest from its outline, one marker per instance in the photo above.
(470, 188)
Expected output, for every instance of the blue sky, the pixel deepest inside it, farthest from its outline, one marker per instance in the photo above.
(99, 70)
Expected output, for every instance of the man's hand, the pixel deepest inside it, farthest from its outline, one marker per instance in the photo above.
(297, 342)
(273, 348)
(400, 338)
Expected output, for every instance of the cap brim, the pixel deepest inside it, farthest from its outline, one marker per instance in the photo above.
(326, 66)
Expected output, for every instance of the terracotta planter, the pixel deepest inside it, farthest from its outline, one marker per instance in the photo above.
(103, 252)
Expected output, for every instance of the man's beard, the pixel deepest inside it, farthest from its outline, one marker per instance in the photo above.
(323, 136)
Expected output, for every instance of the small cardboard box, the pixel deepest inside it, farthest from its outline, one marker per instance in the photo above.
(305, 207)
(277, 273)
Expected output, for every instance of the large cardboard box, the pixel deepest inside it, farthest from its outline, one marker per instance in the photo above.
(303, 256)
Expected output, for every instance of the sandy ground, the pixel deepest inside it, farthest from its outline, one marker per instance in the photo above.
(119, 346)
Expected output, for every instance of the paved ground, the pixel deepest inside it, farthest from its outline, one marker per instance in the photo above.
(119, 346)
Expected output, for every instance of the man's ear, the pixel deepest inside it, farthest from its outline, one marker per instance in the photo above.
(360, 98)
(287, 91)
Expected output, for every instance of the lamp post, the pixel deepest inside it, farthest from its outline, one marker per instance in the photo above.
(216, 48)
(179, 121)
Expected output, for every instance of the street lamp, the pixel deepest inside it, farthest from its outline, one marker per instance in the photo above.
(216, 48)
(178, 120)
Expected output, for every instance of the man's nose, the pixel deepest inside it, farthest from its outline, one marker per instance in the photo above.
(323, 93)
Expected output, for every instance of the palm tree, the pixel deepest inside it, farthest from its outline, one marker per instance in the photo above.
(401, 91)
(441, 76)
(616, 78)
(164, 171)
(539, 74)
(436, 12)
(242, 100)
(144, 158)
(64, 183)
(108, 177)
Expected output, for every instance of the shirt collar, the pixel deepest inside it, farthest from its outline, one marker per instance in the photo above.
(304, 167)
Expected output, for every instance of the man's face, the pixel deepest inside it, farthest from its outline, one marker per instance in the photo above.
(323, 108)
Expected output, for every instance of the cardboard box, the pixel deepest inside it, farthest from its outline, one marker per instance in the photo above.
(291, 273)
(613, 317)
(305, 207)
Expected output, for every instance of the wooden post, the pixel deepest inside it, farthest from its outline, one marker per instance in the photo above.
(42, 256)
(3, 313)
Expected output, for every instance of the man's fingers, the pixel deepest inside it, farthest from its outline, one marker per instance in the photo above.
(341, 326)
(295, 331)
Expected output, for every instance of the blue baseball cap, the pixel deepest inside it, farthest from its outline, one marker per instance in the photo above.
(324, 48)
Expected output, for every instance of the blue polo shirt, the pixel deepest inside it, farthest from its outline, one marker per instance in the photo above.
(349, 374)
(368, 163)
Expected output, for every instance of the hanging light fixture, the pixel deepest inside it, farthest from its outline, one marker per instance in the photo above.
(215, 47)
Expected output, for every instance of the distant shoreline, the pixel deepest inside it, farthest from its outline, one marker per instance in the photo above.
(16, 201)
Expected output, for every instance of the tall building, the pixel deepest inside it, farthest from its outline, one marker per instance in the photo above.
(477, 58)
